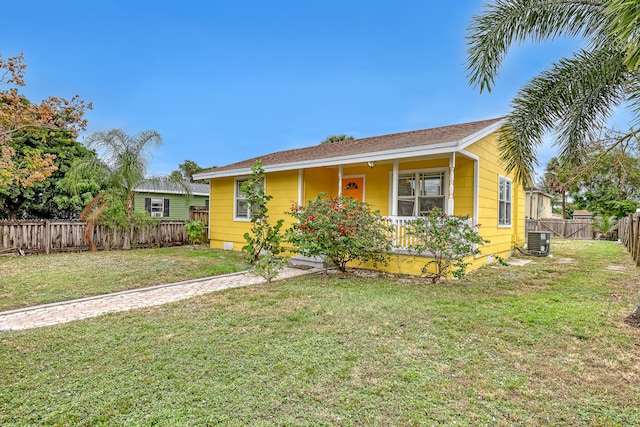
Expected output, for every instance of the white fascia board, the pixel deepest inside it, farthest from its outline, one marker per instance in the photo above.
(465, 142)
(181, 193)
(341, 160)
(442, 148)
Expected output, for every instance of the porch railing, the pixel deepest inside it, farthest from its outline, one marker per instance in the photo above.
(400, 239)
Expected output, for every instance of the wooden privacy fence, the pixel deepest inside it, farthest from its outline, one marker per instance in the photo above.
(58, 236)
(629, 235)
(567, 228)
(200, 213)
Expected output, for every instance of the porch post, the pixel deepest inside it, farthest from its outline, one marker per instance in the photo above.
(452, 169)
(340, 181)
(300, 186)
(394, 189)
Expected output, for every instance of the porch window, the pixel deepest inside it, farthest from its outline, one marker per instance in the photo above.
(504, 201)
(420, 192)
(241, 205)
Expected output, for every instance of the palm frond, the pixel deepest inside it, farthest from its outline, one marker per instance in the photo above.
(624, 25)
(505, 23)
(577, 95)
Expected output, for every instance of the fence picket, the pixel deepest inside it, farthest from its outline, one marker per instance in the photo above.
(52, 235)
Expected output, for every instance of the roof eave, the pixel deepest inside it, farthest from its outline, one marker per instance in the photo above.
(183, 193)
(441, 148)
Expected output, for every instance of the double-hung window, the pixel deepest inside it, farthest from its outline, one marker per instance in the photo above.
(420, 192)
(241, 205)
(504, 201)
(157, 207)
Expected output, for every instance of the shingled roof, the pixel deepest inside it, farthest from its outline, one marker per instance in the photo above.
(168, 187)
(398, 145)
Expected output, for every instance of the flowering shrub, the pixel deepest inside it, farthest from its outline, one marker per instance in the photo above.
(341, 229)
(447, 239)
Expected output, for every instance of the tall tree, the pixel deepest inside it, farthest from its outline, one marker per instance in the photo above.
(17, 113)
(125, 163)
(577, 94)
(556, 177)
(187, 169)
(607, 181)
(47, 199)
(337, 138)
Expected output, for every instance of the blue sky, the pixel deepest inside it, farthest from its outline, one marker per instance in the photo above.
(225, 81)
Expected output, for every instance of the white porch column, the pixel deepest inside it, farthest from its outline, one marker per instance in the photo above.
(300, 186)
(340, 181)
(452, 169)
(394, 188)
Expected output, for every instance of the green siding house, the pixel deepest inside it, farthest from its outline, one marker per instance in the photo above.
(166, 200)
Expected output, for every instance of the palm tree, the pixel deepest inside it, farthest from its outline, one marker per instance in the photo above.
(605, 225)
(576, 95)
(124, 163)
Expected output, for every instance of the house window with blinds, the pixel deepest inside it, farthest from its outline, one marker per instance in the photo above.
(420, 192)
(504, 201)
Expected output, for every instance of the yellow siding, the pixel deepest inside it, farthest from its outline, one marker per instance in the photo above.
(222, 227)
(464, 187)
(502, 240)
(283, 186)
(320, 180)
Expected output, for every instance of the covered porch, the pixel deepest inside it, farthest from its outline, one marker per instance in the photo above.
(402, 189)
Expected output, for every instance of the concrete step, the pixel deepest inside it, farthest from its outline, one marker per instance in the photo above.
(309, 261)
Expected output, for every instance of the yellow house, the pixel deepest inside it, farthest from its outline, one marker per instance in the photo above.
(538, 204)
(403, 175)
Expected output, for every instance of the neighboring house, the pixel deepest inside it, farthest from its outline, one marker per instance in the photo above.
(537, 204)
(403, 175)
(167, 200)
(582, 214)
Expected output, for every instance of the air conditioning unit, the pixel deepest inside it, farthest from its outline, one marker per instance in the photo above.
(156, 214)
(538, 242)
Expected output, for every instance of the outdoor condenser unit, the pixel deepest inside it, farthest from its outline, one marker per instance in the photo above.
(538, 242)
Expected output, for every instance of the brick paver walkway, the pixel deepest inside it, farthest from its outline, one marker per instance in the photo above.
(67, 311)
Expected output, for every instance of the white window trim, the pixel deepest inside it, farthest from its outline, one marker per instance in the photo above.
(235, 201)
(161, 211)
(445, 183)
(510, 201)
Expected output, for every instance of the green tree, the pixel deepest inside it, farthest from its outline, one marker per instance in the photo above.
(577, 94)
(337, 138)
(556, 178)
(605, 225)
(47, 199)
(187, 169)
(17, 113)
(125, 164)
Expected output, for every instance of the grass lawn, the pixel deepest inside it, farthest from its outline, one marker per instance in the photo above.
(39, 279)
(543, 344)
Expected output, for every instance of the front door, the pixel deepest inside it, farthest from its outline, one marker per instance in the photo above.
(353, 187)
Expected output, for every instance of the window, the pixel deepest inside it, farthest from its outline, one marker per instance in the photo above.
(420, 192)
(157, 207)
(504, 201)
(241, 206)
